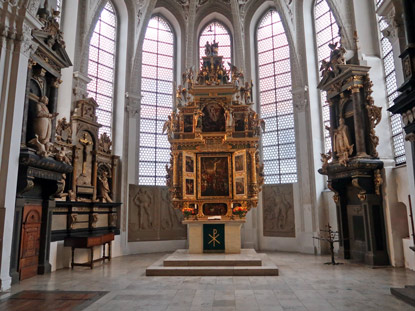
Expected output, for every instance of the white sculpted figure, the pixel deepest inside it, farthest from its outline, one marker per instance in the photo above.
(342, 141)
(104, 188)
(42, 127)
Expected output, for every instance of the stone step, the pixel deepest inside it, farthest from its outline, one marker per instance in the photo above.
(406, 294)
(212, 262)
(182, 258)
(181, 263)
(159, 270)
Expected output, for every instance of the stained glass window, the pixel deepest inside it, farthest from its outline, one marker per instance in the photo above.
(327, 31)
(392, 92)
(157, 78)
(274, 70)
(101, 66)
(218, 32)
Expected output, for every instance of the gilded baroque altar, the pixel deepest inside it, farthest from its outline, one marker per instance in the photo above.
(215, 172)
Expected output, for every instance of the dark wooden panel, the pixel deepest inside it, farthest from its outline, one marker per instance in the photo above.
(30, 241)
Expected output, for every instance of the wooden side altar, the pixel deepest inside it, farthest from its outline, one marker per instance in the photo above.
(215, 173)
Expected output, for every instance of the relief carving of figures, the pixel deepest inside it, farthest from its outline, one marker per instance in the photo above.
(42, 127)
(143, 202)
(278, 213)
(151, 215)
(170, 218)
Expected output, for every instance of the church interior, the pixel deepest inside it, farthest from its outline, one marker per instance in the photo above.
(207, 155)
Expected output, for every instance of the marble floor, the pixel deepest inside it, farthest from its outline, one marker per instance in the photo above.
(304, 284)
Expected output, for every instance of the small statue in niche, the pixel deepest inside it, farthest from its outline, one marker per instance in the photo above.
(197, 120)
(104, 143)
(42, 127)
(341, 141)
(104, 188)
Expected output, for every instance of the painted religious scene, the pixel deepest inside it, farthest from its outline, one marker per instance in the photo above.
(215, 174)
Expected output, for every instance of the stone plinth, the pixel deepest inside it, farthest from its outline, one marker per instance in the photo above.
(232, 235)
(181, 263)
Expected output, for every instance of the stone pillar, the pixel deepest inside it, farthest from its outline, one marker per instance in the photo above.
(359, 122)
(15, 49)
(409, 13)
(190, 26)
(69, 27)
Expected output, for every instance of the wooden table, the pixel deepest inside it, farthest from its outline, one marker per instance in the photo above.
(89, 242)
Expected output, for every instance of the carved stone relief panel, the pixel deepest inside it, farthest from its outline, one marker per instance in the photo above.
(151, 215)
(278, 210)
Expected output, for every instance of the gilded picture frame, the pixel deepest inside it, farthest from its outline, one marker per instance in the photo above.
(189, 175)
(214, 179)
(239, 175)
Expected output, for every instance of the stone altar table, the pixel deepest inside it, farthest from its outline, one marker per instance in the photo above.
(231, 239)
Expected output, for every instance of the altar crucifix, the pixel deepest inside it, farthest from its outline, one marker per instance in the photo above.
(85, 143)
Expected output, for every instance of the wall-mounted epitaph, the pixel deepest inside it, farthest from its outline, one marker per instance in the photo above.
(151, 216)
(278, 210)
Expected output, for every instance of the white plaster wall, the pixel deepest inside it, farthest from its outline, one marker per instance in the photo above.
(155, 246)
(60, 256)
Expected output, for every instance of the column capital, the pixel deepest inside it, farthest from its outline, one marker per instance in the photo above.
(133, 104)
(300, 97)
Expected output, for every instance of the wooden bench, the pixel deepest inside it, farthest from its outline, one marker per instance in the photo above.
(90, 242)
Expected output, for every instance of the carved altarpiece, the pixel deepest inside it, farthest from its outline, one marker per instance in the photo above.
(89, 203)
(354, 172)
(214, 135)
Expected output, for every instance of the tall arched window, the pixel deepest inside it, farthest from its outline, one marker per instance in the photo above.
(327, 31)
(101, 66)
(157, 101)
(392, 92)
(274, 70)
(218, 32)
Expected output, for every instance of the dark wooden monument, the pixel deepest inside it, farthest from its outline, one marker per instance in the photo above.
(354, 172)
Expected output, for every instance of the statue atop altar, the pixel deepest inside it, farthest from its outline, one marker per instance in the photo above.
(215, 172)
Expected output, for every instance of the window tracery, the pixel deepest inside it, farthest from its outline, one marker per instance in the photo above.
(274, 72)
(157, 76)
(216, 31)
(398, 142)
(327, 31)
(101, 65)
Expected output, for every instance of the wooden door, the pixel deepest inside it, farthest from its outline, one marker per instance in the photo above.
(29, 244)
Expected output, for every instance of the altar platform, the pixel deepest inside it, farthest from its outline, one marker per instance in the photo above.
(182, 263)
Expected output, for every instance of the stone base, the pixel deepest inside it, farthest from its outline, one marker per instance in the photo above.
(183, 263)
(232, 235)
(406, 294)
